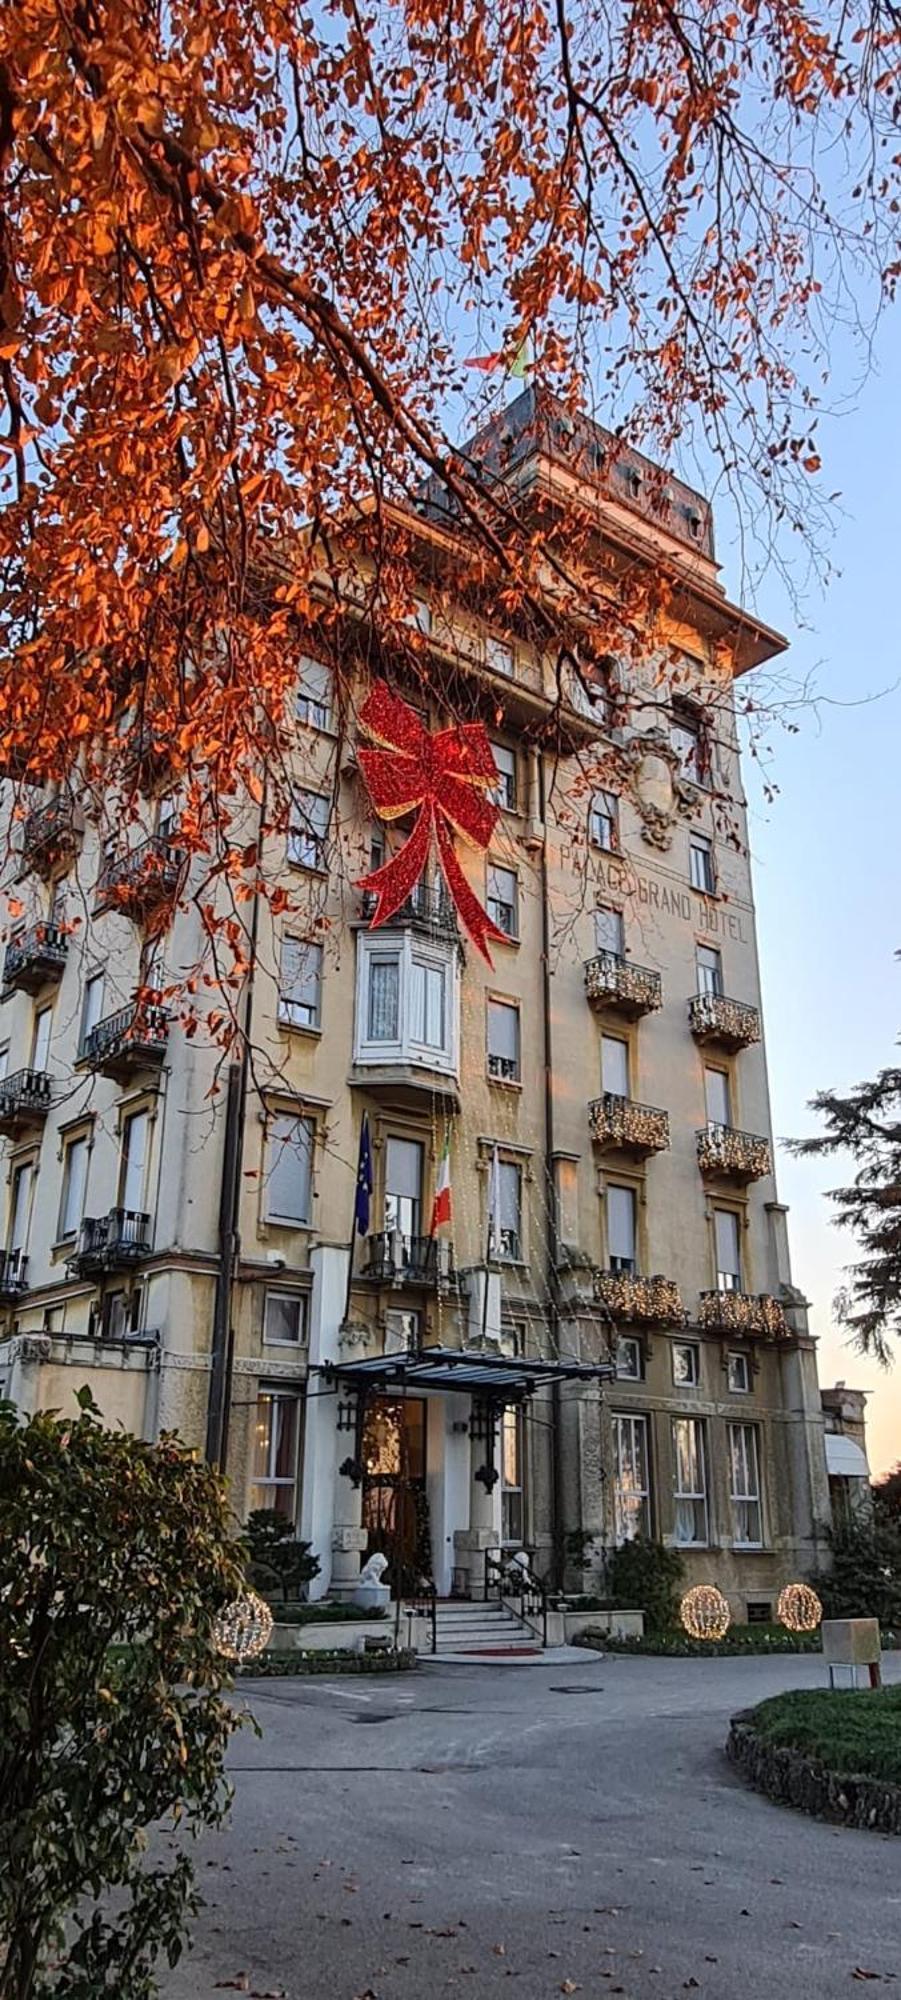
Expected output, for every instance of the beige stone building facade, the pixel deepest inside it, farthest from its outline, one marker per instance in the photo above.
(607, 1339)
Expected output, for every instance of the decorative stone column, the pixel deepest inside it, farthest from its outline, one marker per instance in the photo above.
(349, 1537)
(471, 1543)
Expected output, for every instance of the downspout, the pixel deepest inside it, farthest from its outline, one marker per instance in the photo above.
(223, 1342)
(550, 1197)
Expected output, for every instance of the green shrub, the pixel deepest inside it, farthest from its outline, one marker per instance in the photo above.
(114, 1557)
(276, 1559)
(274, 1665)
(642, 1575)
(864, 1580)
(324, 1614)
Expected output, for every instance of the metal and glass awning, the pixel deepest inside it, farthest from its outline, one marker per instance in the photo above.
(470, 1371)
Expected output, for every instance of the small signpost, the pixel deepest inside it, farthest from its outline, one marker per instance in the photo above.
(853, 1643)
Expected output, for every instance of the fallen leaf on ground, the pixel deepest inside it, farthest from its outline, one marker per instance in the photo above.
(570, 1986)
(240, 1983)
(860, 1972)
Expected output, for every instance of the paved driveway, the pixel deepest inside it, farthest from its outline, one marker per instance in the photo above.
(511, 1830)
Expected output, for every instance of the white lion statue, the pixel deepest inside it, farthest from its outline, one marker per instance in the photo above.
(374, 1570)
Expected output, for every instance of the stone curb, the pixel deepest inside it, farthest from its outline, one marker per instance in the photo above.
(790, 1778)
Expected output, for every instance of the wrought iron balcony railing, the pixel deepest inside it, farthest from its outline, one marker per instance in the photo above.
(132, 1039)
(49, 835)
(736, 1156)
(141, 878)
(111, 1242)
(34, 957)
(429, 907)
(638, 1301)
(504, 1069)
(614, 982)
(395, 1259)
(733, 1024)
(13, 1275)
(743, 1312)
(618, 1122)
(24, 1100)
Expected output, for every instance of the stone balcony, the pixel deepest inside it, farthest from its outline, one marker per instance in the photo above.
(635, 1301)
(743, 1312)
(24, 1101)
(619, 1125)
(132, 1039)
(140, 879)
(727, 1154)
(730, 1024)
(615, 984)
(34, 957)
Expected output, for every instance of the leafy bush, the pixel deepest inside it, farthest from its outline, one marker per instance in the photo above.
(114, 1557)
(280, 1665)
(642, 1575)
(324, 1614)
(277, 1560)
(676, 1644)
(865, 1578)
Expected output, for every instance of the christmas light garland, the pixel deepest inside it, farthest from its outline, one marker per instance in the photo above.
(705, 1613)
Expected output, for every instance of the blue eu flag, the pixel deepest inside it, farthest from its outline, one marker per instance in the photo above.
(364, 1182)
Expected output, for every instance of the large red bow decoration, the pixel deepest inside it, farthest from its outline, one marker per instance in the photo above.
(445, 780)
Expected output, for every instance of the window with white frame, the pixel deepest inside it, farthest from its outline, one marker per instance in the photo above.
(687, 738)
(404, 1161)
(401, 1331)
(621, 1228)
(383, 997)
(504, 792)
(92, 1006)
(308, 829)
(615, 1065)
(313, 701)
(629, 1359)
(289, 1168)
(75, 1180)
(728, 1250)
(133, 1161)
(603, 821)
(498, 655)
(407, 1002)
(503, 899)
(300, 983)
(285, 1319)
(428, 1003)
(609, 930)
(275, 1452)
(40, 1039)
(686, 1364)
(168, 815)
(512, 1475)
(710, 970)
(744, 1485)
(20, 1201)
(700, 864)
(631, 1478)
(717, 1096)
(690, 1482)
(506, 1218)
(4, 1061)
(503, 1040)
(738, 1374)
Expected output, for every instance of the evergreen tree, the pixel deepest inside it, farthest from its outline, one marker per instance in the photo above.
(867, 1124)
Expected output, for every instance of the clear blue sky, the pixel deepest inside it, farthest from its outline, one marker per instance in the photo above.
(826, 852)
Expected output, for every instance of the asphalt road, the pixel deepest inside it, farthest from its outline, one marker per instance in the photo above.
(493, 1831)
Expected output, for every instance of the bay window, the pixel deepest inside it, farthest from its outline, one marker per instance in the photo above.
(407, 1001)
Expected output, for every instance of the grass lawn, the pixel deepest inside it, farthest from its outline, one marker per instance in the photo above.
(855, 1735)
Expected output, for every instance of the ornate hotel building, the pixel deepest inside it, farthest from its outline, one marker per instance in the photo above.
(623, 1349)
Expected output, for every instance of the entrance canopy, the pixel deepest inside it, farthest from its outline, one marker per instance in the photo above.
(458, 1368)
(844, 1458)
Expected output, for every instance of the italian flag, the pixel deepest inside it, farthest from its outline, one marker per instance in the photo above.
(441, 1207)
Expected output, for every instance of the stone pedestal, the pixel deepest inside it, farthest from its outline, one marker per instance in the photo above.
(348, 1545)
(372, 1596)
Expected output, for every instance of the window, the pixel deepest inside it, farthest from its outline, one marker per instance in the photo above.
(403, 1186)
(514, 1339)
(631, 1490)
(153, 965)
(428, 1004)
(92, 1006)
(686, 1364)
(289, 1168)
(383, 1010)
(498, 655)
(503, 1041)
(615, 1065)
(728, 1250)
(40, 1042)
(503, 900)
(167, 816)
(608, 930)
(738, 1374)
(620, 1228)
(420, 616)
(407, 1006)
(401, 1331)
(4, 1061)
(75, 1178)
(313, 703)
(275, 1453)
(687, 740)
(512, 1461)
(710, 970)
(505, 1235)
(284, 1319)
(133, 1161)
(744, 1485)
(628, 1360)
(717, 1097)
(689, 1482)
(20, 1206)
(603, 828)
(308, 829)
(504, 792)
(299, 983)
(700, 864)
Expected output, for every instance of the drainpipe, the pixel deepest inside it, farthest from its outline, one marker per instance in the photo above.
(550, 1194)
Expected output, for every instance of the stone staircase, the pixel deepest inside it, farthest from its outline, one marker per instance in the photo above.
(489, 1629)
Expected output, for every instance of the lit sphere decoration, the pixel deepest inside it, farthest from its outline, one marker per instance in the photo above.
(705, 1613)
(798, 1608)
(242, 1629)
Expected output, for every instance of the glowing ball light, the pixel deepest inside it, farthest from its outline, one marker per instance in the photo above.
(705, 1613)
(799, 1608)
(242, 1630)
